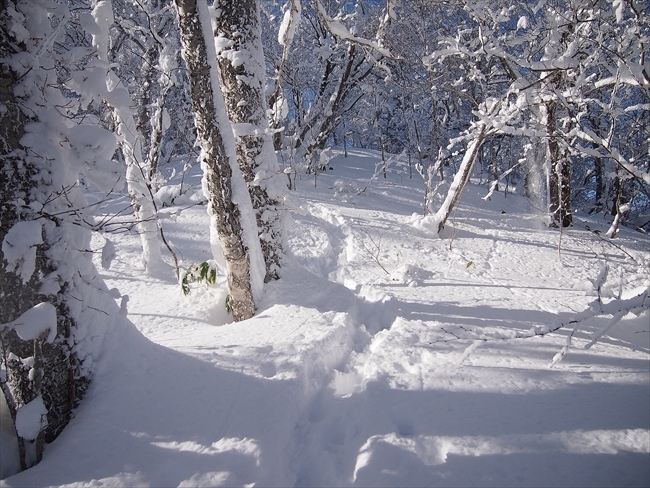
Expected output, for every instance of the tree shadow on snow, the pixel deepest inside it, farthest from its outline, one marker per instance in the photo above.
(157, 417)
(388, 437)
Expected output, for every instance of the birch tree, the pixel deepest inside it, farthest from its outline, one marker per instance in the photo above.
(228, 200)
(145, 52)
(324, 72)
(119, 102)
(567, 63)
(240, 59)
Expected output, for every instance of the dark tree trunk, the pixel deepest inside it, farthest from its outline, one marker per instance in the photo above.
(560, 173)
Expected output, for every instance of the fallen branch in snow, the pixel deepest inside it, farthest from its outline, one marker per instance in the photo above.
(616, 308)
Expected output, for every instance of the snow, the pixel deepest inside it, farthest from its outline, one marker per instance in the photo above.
(31, 418)
(289, 25)
(108, 254)
(35, 322)
(19, 247)
(102, 18)
(350, 375)
(522, 23)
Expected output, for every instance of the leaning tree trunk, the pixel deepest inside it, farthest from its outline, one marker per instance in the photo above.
(238, 38)
(461, 178)
(215, 158)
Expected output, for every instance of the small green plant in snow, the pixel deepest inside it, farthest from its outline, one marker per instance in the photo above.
(205, 272)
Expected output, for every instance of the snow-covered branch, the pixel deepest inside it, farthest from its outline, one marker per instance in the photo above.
(338, 29)
(35, 323)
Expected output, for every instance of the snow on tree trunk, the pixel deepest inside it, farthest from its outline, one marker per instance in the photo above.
(238, 41)
(226, 203)
(53, 306)
(277, 100)
(120, 103)
(559, 173)
(461, 178)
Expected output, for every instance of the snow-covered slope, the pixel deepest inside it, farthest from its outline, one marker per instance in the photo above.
(361, 366)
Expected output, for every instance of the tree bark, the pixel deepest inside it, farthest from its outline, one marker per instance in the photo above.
(238, 36)
(226, 215)
(560, 172)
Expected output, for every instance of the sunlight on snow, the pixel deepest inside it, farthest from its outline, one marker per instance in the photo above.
(242, 446)
(433, 450)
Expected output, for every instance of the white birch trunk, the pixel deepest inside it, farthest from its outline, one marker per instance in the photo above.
(238, 42)
(218, 160)
(461, 178)
(120, 103)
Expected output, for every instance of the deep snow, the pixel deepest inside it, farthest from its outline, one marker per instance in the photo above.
(356, 369)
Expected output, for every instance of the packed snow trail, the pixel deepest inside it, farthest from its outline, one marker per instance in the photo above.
(355, 370)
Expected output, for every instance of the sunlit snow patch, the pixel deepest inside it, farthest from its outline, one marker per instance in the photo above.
(434, 450)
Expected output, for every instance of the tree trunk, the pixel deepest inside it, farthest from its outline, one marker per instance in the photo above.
(237, 31)
(29, 177)
(461, 178)
(137, 175)
(140, 192)
(276, 100)
(600, 185)
(560, 173)
(320, 124)
(215, 158)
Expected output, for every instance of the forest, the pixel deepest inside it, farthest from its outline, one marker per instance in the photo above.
(264, 167)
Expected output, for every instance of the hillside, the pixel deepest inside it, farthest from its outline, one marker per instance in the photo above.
(383, 357)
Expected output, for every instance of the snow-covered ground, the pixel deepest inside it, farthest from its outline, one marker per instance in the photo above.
(360, 367)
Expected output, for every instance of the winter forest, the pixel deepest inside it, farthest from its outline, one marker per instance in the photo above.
(325, 243)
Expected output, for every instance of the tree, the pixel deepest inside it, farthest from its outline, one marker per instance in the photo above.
(119, 102)
(242, 75)
(228, 200)
(436, 104)
(324, 72)
(286, 32)
(52, 302)
(145, 54)
(560, 63)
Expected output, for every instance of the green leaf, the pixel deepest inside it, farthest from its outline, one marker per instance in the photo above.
(203, 272)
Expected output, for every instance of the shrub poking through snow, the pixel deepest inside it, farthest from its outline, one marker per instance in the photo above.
(205, 272)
